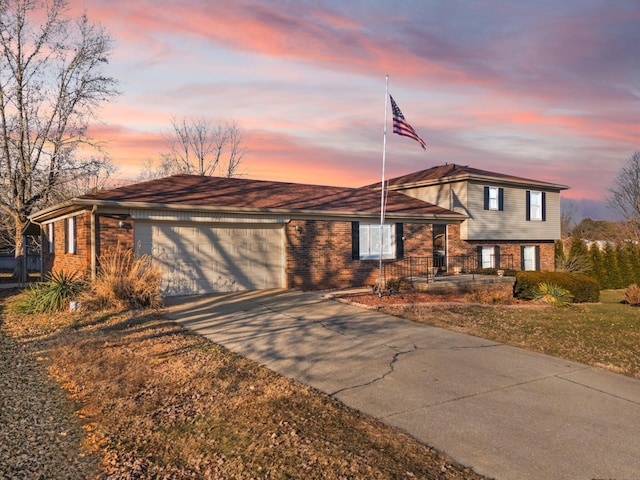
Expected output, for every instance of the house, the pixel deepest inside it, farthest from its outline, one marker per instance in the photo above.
(211, 234)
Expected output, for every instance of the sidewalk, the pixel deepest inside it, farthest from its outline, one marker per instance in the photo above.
(506, 412)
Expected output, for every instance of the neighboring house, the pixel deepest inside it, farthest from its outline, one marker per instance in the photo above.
(212, 234)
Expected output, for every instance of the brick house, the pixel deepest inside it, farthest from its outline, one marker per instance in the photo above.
(211, 234)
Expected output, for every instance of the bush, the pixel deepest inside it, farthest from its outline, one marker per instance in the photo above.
(399, 285)
(124, 281)
(553, 294)
(632, 294)
(52, 295)
(582, 287)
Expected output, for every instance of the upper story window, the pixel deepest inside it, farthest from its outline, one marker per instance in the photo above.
(369, 238)
(536, 205)
(493, 198)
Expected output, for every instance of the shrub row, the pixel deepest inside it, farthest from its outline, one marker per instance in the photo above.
(582, 287)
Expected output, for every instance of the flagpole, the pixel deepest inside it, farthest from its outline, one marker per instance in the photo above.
(384, 158)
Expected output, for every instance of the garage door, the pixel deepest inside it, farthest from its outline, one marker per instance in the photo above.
(205, 259)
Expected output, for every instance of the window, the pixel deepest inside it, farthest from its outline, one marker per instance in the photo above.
(50, 230)
(366, 241)
(536, 206)
(489, 256)
(530, 258)
(493, 198)
(70, 235)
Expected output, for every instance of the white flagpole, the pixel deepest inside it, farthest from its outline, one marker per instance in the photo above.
(382, 202)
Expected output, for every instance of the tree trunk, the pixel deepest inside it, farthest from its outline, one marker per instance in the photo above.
(20, 269)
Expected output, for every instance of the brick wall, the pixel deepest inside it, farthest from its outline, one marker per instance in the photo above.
(78, 262)
(108, 231)
(318, 254)
(547, 261)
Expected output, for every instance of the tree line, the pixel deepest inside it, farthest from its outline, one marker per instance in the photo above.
(613, 265)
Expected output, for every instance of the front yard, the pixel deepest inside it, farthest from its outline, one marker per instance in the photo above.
(156, 401)
(144, 398)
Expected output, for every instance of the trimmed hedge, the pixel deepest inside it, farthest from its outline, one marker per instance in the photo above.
(582, 287)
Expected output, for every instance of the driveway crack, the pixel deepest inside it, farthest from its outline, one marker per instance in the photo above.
(394, 359)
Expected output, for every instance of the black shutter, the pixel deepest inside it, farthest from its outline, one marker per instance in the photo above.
(399, 241)
(355, 240)
(538, 258)
(496, 256)
(479, 254)
(544, 206)
(501, 199)
(486, 198)
(521, 257)
(528, 205)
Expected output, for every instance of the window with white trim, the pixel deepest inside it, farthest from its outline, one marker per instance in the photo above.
(488, 255)
(536, 205)
(529, 258)
(50, 230)
(70, 235)
(369, 241)
(493, 198)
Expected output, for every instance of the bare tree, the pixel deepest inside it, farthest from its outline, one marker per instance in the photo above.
(568, 212)
(197, 146)
(51, 82)
(624, 195)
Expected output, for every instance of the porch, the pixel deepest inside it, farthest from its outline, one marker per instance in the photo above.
(448, 272)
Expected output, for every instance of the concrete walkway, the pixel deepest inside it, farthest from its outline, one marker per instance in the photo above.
(506, 412)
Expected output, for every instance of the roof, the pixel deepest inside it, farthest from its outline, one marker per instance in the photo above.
(452, 173)
(258, 196)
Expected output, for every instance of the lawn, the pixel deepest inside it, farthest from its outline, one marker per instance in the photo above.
(156, 401)
(604, 334)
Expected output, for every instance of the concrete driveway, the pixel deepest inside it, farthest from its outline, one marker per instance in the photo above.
(505, 412)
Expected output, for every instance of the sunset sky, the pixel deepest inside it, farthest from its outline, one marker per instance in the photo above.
(542, 89)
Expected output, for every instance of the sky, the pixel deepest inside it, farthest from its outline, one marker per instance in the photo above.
(548, 90)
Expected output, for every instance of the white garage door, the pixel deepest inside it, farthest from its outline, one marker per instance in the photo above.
(205, 259)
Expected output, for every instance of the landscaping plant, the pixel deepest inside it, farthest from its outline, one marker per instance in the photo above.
(52, 295)
(553, 294)
(124, 281)
(632, 294)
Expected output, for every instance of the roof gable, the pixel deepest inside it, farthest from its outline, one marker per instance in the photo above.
(453, 173)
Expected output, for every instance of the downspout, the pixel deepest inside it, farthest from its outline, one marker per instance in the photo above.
(94, 209)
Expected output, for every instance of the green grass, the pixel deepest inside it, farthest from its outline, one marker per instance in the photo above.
(604, 334)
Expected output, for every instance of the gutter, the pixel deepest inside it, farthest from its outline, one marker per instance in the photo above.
(79, 203)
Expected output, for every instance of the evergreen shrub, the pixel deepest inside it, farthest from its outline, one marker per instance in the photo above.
(581, 287)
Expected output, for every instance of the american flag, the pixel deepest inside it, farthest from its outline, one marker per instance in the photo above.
(401, 127)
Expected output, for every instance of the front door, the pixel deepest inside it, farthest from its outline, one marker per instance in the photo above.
(440, 246)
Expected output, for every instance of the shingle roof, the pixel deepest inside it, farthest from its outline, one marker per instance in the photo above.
(240, 193)
(451, 172)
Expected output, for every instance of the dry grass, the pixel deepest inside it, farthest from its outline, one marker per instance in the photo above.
(124, 280)
(605, 334)
(160, 402)
(632, 294)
